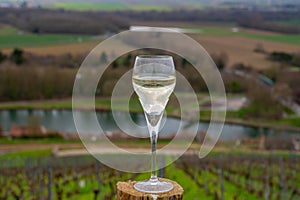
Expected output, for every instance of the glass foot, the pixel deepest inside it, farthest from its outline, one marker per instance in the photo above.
(153, 187)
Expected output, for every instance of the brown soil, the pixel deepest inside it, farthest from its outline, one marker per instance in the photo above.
(240, 49)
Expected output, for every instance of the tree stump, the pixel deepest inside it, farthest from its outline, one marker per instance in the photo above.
(126, 191)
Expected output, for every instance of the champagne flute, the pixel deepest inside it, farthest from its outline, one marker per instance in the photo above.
(153, 80)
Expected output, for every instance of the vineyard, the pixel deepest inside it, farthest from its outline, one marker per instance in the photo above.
(219, 176)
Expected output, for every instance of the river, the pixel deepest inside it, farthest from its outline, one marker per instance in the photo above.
(62, 120)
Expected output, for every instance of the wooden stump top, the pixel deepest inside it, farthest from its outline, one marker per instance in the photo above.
(126, 191)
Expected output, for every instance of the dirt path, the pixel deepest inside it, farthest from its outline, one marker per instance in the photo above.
(73, 149)
(107, 150)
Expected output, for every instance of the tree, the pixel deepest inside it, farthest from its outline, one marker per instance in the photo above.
(220, 60)
(296, 59)
(127, 61)
(273, 72)
(24, 4)
(261, 105)
(296, 95)
(242, 67)
(260, 48)
(17, 56)
(36, 30)
(103, 58)
(234, 87)
(283, 91)
(281, 56)
(184, 62)
(2, 57)
(115, 64)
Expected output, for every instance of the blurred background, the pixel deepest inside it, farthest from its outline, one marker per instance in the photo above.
(255, 45)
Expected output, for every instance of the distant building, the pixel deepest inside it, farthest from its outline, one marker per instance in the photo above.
(69, 136)
(296, 143)
(235, 30)
(20, 4)
(118, 135)
(19, 131)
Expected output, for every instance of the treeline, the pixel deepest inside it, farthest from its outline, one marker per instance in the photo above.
(16, 56)
(48, 77)
(25, 76)
(286, 58)
(274, 26)
(24, 83)
(211, 14)
(112, 74)
(25, 59)
(61, 21)
(259, 19)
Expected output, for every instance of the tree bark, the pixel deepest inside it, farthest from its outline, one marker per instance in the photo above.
(125, 191)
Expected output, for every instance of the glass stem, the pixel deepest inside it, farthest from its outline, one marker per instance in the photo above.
(153, 156)
(153, 122)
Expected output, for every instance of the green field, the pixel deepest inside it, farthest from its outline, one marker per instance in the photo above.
(11, 37)
(54, 140)
(85, 6)
(283, 38)
(291, 22)
(224, 31)
(19, 158)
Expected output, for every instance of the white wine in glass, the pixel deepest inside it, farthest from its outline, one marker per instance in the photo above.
(153, 80)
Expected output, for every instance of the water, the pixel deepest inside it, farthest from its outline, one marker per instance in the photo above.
(62, 120)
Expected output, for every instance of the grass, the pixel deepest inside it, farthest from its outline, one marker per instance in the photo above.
(11, 37)
(85, 6)
(194, 192)
(283, 38)
(214, 31)
(293, 121)
(100, 103)
(60, 104)
(236, 117)
(140, 143)
(36, 141)
(150, 7)
(20, 158)
(26, 154)
(226, 31)
(191, 190)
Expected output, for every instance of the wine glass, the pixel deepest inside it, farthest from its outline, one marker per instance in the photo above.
(153, 80)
